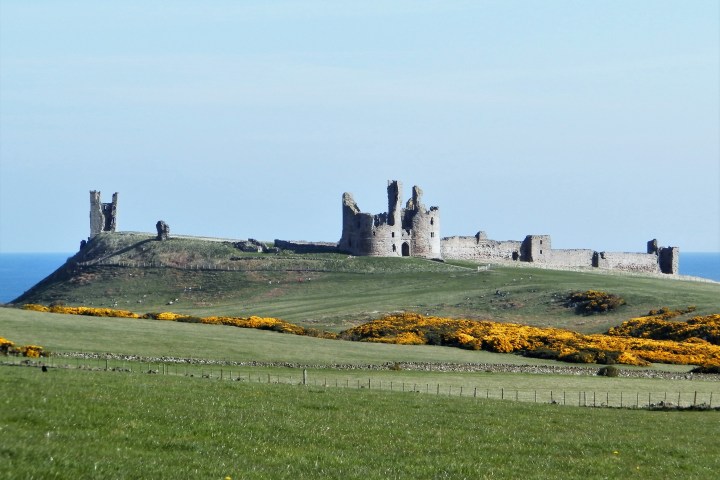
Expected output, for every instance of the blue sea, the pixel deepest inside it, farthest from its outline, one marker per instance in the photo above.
(20, 271)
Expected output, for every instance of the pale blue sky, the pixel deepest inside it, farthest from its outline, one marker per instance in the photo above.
(596, 122)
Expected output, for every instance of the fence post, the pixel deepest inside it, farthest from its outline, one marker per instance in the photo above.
(695, 399)
(304, 376)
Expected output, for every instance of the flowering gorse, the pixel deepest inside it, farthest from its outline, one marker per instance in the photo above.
(560, 344)
(8, 347)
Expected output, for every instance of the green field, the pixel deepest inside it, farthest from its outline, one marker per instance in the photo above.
(84, 424)
(366, 410)
(228, 352)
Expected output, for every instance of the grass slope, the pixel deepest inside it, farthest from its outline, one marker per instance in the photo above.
(80, 424)
(154, 339)
(335, 291)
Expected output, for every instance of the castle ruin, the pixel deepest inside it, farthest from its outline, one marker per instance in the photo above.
(412, 231)
(103, 216)
(415, 232)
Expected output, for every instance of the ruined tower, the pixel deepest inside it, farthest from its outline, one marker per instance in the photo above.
(103, 216)
(412, 231)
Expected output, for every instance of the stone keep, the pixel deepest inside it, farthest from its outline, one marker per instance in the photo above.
(103, 216)
(412, 231)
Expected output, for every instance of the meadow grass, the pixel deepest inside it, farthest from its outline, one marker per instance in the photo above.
(225, 345)
(82, 424)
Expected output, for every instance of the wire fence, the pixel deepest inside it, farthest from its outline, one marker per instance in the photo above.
(336, 379)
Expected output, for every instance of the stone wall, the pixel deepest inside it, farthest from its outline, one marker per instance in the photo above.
(537, 249)
(629, 262)
(307, 247)
(480, 249)
(571, 258)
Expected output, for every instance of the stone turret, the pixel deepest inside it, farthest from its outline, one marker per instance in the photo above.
(103, 216)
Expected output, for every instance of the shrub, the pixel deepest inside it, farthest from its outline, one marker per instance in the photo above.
(593, 301)
(31, 351)
(609, 371)
(706, 369)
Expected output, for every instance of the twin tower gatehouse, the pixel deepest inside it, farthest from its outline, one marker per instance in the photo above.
(412, 231)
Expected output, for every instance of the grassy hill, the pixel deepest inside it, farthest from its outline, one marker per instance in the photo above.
(333, 291)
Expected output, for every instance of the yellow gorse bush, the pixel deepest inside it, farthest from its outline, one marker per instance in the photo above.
(169, 316)
(262, 323)
(91, 311)
(8, 347)
(535, 341)
(659, 327)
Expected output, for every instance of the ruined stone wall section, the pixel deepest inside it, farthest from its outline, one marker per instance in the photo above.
(570, 258)
(472, 248)
(306, 247)
(629, 262)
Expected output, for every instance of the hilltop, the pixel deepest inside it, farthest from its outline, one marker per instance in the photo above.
(200, 276)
